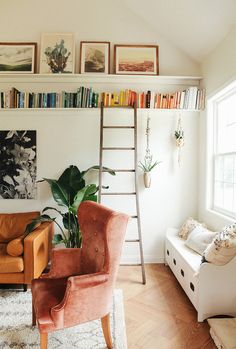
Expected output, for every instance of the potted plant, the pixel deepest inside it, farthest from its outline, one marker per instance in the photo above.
(147, 166)
(179, 138)
(68, 191)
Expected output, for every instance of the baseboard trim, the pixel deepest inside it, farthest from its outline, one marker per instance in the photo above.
(149, 259)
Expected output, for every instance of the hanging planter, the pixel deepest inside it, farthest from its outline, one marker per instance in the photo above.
(147, 179)
(148, 164)
(179, 139)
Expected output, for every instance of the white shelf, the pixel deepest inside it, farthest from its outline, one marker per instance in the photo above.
(91, 79)
(88, 110)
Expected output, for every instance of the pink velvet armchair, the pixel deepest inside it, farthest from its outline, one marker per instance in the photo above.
(79, 286)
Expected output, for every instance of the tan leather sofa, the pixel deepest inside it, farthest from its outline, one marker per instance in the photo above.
(23, 258)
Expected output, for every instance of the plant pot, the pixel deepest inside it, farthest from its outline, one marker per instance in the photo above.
(180, 142)
(147, 179)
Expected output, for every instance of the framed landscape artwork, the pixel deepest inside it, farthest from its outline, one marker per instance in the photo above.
(57, 53)
(18, 57)
(94, 57)
(136, 59)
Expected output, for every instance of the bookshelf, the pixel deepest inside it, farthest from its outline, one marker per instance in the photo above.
(100, 83)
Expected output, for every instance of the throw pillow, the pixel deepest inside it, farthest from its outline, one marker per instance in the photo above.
(199, 238)
(223, 247)
(188, 226)
(15, 248)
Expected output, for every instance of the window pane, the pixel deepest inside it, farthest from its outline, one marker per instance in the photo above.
(228, 197)
(229, 169)
(219, 168)
(218, 194)
(226, 124)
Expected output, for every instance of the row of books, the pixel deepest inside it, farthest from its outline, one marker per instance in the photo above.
(83, 98)
(191, 98)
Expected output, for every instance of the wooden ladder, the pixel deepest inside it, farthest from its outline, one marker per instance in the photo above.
(135, 193)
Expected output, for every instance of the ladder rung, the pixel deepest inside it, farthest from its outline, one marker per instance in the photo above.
(120, 170)
(133, 193)
(118, 127)
(132, 240)
(126, 265)
(134, 216)
(118, 148)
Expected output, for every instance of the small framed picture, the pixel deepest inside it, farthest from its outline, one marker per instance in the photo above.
(18, 57)
(136, 59)
(94, 57)
(57, 53)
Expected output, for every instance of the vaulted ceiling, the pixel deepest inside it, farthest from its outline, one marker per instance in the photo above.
(194, 26)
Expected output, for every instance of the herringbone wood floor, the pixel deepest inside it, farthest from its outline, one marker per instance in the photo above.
(159, 315)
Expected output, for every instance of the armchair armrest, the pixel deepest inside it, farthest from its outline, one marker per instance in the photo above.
(64, 262)
(87, 280)
(77, 283)
(37, 247)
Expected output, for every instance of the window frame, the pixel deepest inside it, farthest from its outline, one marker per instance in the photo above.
(213, 152)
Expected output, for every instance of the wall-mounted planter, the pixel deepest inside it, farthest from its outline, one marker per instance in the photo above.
(147, 179)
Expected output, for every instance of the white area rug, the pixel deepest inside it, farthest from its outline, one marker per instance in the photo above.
(16, 331)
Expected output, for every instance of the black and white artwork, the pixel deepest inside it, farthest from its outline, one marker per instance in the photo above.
(17, 164)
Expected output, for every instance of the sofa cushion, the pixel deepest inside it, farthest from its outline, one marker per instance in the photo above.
(9, 264)
(223, 247)
(188, 226)
(12, 225)
(199, 238)
(15, 248)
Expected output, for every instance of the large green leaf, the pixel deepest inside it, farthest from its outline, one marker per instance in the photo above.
(59, 192)
(73, 179)
(83, 195)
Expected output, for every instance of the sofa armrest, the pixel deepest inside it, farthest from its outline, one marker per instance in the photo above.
(37, 249)
(64, 262)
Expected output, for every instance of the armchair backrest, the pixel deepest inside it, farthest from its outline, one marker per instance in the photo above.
(103, 231)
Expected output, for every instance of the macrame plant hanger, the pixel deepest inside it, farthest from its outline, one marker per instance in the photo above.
(179, 138)
(148, 156)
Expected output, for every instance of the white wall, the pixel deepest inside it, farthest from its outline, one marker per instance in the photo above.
(218, 69)
(66, 138)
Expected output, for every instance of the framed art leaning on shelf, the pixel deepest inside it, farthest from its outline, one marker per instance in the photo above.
(57, 53)
(94, 57)
(136, 59)
(18, 57)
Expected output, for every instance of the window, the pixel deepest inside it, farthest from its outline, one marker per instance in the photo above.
(224, 157)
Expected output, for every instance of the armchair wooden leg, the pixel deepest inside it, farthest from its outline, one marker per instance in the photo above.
(33, 316)
(106, 328)
(25, 286)
(43, 340)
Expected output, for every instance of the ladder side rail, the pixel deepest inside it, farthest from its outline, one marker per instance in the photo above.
(100, 153)
(137, 195)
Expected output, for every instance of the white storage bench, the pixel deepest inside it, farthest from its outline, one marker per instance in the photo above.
(210, 288)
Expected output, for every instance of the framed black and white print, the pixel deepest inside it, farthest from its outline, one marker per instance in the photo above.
(18, 164)
(18, 57)
(94, 57)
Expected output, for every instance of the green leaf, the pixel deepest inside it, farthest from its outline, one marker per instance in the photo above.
(97, 167)
(52, 208)
(59, 192)
(83, 195)
(57, 239)
(72, 178)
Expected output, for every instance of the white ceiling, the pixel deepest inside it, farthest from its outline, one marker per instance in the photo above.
(194, 26)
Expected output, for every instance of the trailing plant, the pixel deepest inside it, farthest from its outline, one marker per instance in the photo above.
(68, 191)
